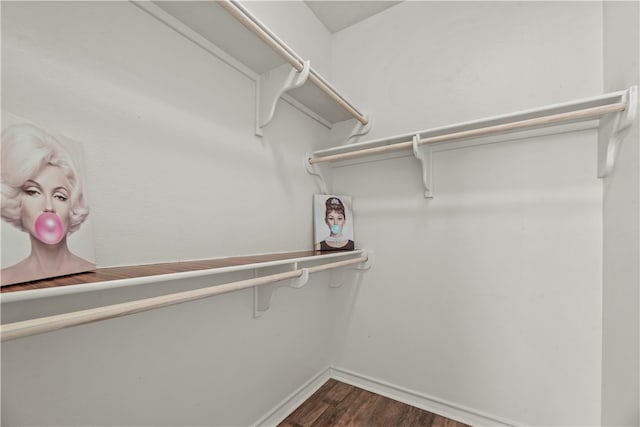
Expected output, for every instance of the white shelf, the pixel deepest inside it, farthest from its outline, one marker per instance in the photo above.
(212, 26)
(611, 113)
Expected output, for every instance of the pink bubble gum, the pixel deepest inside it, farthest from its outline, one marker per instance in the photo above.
(49, 228)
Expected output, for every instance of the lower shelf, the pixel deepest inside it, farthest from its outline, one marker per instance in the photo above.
(263, 286)
(103, 278)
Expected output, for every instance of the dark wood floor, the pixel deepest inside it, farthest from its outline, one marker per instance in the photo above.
(340, 404)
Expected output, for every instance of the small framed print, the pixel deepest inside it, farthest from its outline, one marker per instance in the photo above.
(333, 223)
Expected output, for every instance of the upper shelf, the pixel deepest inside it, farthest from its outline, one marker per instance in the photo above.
(228, 30)
(613, 112)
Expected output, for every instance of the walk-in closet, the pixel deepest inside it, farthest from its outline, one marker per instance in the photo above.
(484, 157)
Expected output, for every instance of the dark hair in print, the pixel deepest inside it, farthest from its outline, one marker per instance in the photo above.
(334, 204)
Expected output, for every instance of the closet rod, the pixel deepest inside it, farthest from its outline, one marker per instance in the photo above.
(242, 15)
(52, 323)
(587, 113)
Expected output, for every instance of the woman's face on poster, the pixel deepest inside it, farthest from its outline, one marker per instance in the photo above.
(335, 221)
(48, 191)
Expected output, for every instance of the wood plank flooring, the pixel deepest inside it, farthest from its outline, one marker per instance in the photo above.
(339, 404)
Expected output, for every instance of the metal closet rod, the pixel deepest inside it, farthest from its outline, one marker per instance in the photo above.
(583, 114)
(249, 21)
(60, 321)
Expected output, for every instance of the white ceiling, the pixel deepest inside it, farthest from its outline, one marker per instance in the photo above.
(337, 15)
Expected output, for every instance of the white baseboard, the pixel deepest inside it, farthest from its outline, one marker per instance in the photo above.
(295, 399)
(420, 400)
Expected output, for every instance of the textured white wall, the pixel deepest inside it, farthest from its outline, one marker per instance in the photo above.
(489, 295)
(175, 173)
(621, 301)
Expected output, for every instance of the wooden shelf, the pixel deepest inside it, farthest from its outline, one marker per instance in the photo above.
(264, 285)
(137, 274)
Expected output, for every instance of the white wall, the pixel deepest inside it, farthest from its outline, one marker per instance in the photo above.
(175, 173)
(487, 297)
(621, 298)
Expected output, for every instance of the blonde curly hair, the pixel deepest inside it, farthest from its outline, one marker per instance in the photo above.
(26, 149)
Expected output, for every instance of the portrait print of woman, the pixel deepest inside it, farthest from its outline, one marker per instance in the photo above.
(43, 197)
(333, 223)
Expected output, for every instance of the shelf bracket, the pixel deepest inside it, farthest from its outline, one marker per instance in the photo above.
(271, 85)
(339, 277)
(611, 132)
(347, 131)
(263, 295)
(424, 154)
(317, 171)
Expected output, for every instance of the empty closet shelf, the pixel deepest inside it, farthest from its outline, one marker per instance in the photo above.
(231, 32)
(587, 109)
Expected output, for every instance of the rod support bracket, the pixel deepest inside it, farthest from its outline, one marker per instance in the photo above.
(271, 85)
(263, 295)
(359, 129)
(338, 277)
(366, 265)
(347, 131)
(317, 171)
(423, 153)
(300, 281)
(612, 130)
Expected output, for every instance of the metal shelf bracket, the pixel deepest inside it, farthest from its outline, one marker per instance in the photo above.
(340, 276)
(317, 170)
(359, 129)
(424, 154)
(342, 132)
(262, 295)
(348, 131)
(612, 130)
(271, 85)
